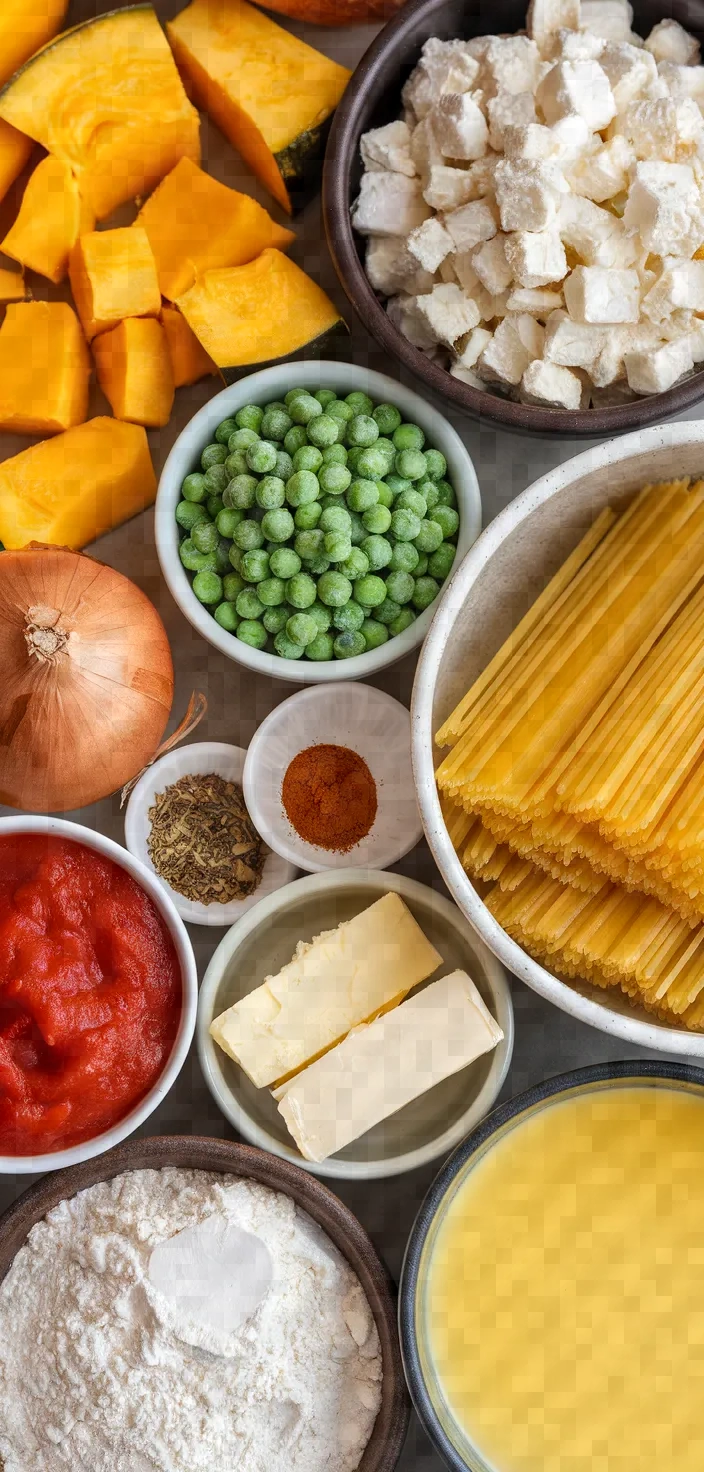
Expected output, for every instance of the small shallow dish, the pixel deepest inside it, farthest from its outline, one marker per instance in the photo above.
(18, 1165)
(194, 1153)
(367, 721)
(260, 388)
(202, 757)
(486, 598)
(265, 940)
(372, 98)
(448, 1438)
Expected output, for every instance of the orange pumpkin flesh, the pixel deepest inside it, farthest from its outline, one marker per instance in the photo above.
(52, 217)
(113, 276)
(189, 361)
(44, 369)
(25, 25)
(15, 149)
(134, 371)
(12, 287)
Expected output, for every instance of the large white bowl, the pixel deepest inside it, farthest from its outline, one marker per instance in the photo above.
(18, 1165)
(486, 597)
(260, 388)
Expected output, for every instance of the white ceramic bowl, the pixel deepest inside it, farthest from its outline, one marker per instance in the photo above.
(265, 940)
(367, 721)
(202, 757)
(273, 383)
(486, 597)
(58, 1159)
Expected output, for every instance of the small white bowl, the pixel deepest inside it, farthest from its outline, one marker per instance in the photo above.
(367, 721)
(202, 757)
(265, 940)
(18, 1165)
(260, 388)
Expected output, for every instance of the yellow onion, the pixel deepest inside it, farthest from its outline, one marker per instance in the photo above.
(86, 679)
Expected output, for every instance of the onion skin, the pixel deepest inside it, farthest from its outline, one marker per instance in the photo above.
(84, 697)
(336, 12)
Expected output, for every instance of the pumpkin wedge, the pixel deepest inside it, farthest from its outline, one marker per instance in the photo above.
(259, 313)
(113, 276)
(336, 12)
(268, 92)
(195, 224)
(15, 149)
(106, 99)
(52, 217)
(134, 370)
(44, 369)
(74, 488)
(25, 25)
(12, 287)
(189, 361)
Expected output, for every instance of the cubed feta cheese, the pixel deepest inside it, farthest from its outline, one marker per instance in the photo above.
(680, 285)
(389, 204)
(604, 173)
(424, 149)
(459, 126)
(531, 141)
(388, 148)
(511, 64)
(528, 193)
(610, 19)
(445, 66)
(518, 340)
(667, 129)
(536, 259)
(598, 237)
(596, 294)
(471, 224)
(682, 81)
(546, 17)
(630, 70)
(546, 383)
(429, 243)
(449, 313)
(536, 300)
(580, 87)
(657, 369)
(696, 340)
(664, 208)
(462, 263)
(508, 109)
(572, 344)
(403, 311)
(578, 46)
(668, 41)
(391, 268)
(491, 266)
(478, 340)
(465, 375)
(448, 188)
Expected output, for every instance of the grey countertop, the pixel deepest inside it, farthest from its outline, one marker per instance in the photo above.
(547, 1041)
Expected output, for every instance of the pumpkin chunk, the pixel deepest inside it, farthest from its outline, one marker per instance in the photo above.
(270, 94)
(15, 150)
(12, 287)
(195, 224)
(52, 217)
(106, 98)
(134, 371)
(25, 25)
(72, 489)
(44, 369)
(189, 361)
(113, 275)
(258, 313)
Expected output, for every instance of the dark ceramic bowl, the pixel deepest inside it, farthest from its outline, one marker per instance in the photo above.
(197, 1153)
(373, 98)
(426, 1397)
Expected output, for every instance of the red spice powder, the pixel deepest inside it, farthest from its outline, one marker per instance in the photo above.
(329, 796)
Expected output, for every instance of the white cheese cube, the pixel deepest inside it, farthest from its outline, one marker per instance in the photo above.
(511, 64)
(516, 342)
(654, 370)
(680, 285)
(546, 383)
(578, 46)
(630, 70)
(403, 311)
(536, 300)
(449, 313)
(459, 126)
(610, 19)
(572, 136)
(425, 151)
(604, 173)
(580, 87)
(547, 17)
(598, 237)
(477, 341)
(532, 141)
(528, 193)
(572, 344)
(448, 188)
(429, 243)
(696, 341)
(462, 263)
(445, 66)
(595, 294)
(390, 268)
(471, 224)
(668, 41)
(666, 129)
(466, 375)
(388, 148)
(492, 268)
(508, 109)
(536, 259)
(682, 81)
(388, 204)
(664, 208)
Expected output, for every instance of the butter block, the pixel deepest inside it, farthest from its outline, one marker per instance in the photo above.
(384, 1065)
(342, 978)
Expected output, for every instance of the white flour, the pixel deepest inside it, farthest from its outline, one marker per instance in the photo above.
(94, 1376)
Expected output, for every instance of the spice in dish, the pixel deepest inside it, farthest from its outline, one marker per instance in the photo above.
(203, 842)
(329, 796)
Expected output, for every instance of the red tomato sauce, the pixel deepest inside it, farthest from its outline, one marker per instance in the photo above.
(90, 994)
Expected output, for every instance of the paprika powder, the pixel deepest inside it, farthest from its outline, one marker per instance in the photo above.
(329, 796)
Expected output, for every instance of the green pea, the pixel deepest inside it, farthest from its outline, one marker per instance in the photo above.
(408, 437)
(335, 455)
(424, 593)
(232, 585)
(213, 455)
(205, 536)
(377, 519)
(275, 618)
(222, 555)
(240, 494)
(385, 495)
(325, 396)
(214, 506)
(236, 464)
(340, 411)
(447, 518)
(386, 448)
(334, 479)
(307, 458)
(371, 464)
(387, 611)
(208, 562)
(349, 617)
(337, 546)
(429, 536)
(421, 565)
(334, 589)
(270, 493)
(446, 495)
(387, 418)
(248, 604)
(370, 590)
(307, 516)
(271, 591)
(225, 428)
(359, 402)
(404, 557)
(321, 614)
(294, 393)
(300, 590)
(255, 565)
(236, 555)
(286, 647)
(301, 629)
(249, 417)
(411, 501)
(227, 617)
(397, 484)
(207, 587)
(324, 431)
(400, 586)
(227, 521)
(189, 513)
(405, 525)
(284, 466)
(248, 535)
(284, 562)
(440, 563)
(348, 645)
(190, 556)
(316, 566)
(362, 494)
(309, 544)
(251, 632)
(275, 424)
(336, 518)
(357, 530)
(304, 408)
(403, 622)
(216, 479)
(354, 455)
(435, 464)
(194, 487)
(378, 550)
(410, 464)
(295, 439)
(277, 526)
(242, 439)
(275, 404)
(362, 431)
(374, 633)
(356, 565)
(301, 487)
(261, 458)
(322, 648)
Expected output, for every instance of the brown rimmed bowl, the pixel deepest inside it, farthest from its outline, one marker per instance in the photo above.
(373, 98)
(200, 1153)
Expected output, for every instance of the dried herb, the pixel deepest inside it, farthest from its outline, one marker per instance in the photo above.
(203, 841)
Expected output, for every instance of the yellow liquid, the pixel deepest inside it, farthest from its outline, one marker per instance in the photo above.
(565, 1291)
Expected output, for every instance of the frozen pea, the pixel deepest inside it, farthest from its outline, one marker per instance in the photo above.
(301, 629)
(349, 644)
(357, 530)
(207, 587)
(334, 479)
(316, 566)
(306, 517)
(248, 605)
(371, 464)
(340, 411)
(359, 402)
(310, 543)
(435, 464)
(362, 430)
(321, 648)
(321, 614)
(410, 464)
(325, 396)
(213, 455)
(324, 431)
(405, 525)
(335, 518)
(421, 565)
(429, 536)
(271, 592)
(404, 557)
(411, 501)
(236, 555)
(301, 487)
(270, 493)
(447, 518)
(227, 617)
(284, 465)
(232, 586)
(227, 521)
(400, 586)
(286, 647)
(446, 494)
(385, 496)
(284, 562)
(335, 454)
(387, 611)
(294, 439)
(304, 408)
(275, 404)
(386, 448)
(236, 464)
(424, 593)
(190, 556)
(377, 519)
(214, 506)
(308, 458)
(356, 565)
(222, 555)
(429, 492)
(249, 534)
(403, 622)
(195, 487)
(373, 633)
(293, 393)
(261, 458)
(337, 546)
(300, 590)
(216, 478)
(378, 551)
(370, 590)
(249, 417)
(275, 424)
(189, 513)
(408, 437)
(353, 457)
(225, 428)
(251, 632)
(255, 566)
(275, 618)
(362, 494)
(387, 418)
(349, 617)
(397, 484)
(334, 589)
(241, 492)
(440, 563)
(277, 526)
(205, 536)
(241, 440)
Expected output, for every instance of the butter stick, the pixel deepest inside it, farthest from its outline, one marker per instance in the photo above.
(341, 979)
(379, 1068)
